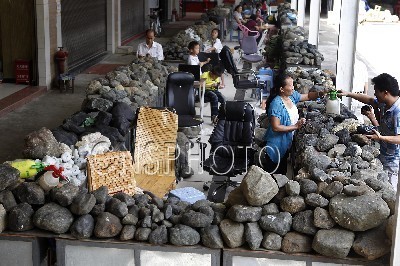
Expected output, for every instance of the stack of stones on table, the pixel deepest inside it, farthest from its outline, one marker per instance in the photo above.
(297, 50)
(177, 47)
(286, 15)
(306, 80)
(271, 212)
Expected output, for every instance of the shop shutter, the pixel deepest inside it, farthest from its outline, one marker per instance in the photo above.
(132, 18)
(84, 30)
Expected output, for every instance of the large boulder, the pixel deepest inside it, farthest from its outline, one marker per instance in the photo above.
(232, 233)
(9, 176)
(372, 244)
(30, 193)
(183, 235)
(333, 243)
(279, 223)
(41, 143)
(358, 213)
(258, 186)
(54, 218)
(107, 225)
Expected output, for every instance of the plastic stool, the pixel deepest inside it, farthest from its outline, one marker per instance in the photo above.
(231, 36)
(66, 82)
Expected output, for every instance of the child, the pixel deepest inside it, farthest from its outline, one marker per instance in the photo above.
(194, 50)
(215, 42)
(212, 95)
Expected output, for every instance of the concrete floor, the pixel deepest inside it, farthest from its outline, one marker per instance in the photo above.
(50, 109)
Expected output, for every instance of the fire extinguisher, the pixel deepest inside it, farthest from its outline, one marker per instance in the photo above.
(174, 15)
(61, 55)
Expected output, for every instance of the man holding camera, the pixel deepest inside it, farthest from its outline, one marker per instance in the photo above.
(387, 104)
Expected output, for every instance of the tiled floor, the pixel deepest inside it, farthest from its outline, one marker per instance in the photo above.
(7, 89)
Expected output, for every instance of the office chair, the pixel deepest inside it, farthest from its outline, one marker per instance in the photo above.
(240, 78)
(180, 95)
(248, 49)
(231, 146)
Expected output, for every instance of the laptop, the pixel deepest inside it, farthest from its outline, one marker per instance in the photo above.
(193, 69)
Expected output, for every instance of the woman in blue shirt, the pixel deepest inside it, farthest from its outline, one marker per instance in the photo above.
(283, 121)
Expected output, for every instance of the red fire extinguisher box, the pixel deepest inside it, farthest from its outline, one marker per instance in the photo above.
(22, 71)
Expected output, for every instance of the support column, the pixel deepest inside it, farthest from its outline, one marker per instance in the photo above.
(43, 42)
(313, 29)
(118, 22)
(293, 4)
(301, 13)
(337, 6)
(58, 24)
(111, 43)
(347, 47)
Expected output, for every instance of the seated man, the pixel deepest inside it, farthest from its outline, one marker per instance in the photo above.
(150, 47)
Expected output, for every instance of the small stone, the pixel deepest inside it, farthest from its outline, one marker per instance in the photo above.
(142, 234)
(294, 242)
(332, 189)
(279, 223)
(182, 235)
(322, 219)
(3, 218)
(292, 188)
(281, 180)
(83, 227)
(196, 219)
(307, 186)
(211, 237)
(333, 243)
(7, 200)
(65, 194)
(316, 200)
(270, 208)
(9, 176)
(272, 241)
(303, 222)
(127, 232)
(293, 204)
(54, 218)
(240, 213)
(372, 244)
(117, 207)
(123, 197)
(97, 209)
(20, 217)
(130, 219)
(30, 193)
(352, 190)
(101, 194)
(107, 225)
(83, 204)
(232, 233)
(253, 235)
(159, 236)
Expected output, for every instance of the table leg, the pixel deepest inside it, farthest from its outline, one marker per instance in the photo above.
(202, 92)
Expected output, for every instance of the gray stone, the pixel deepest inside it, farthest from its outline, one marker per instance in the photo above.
(344, 136)
(196, 219)
(83, 227)
(319, 175)
(207, 210)
(278, 223)
(358, 213)
(127, 232)
(316, 200)
(253, 235)
(361, 139)
(167, 211)
(93, 87)
(337, 150)
(101, 194)
(303, 222)
(65, 195)
(107, 225)
(7, 200)
(3, 218)
(211, 237)
(146, 222)
(240, 213)
(143, 212)
(30, 193)
(123, 197)
(142, 234)
(53, 217)
(352, 151)
(182, 235)
(258, 186)
(367, 156)
(157, 216)
(159, 236)
(389, 196)
(236, 197)
(158, 202)
(272, 241)
(390, 226)
(41, 143)
(232, 233)
(375, 184)
(117, 207)
(20, 218)
(281, 180)
(322, 219)
(372, 244)
(130, 219)
(175, 219)
(98, 104)
(97, 209)
(293, 204)
(270, 208)
(292, 188)
(327, 142)
(294, 242)
(83, 204)
(332, 189)
(352, 190)
(307, 186)
(333, 243)
(364, 174)
(9, 176)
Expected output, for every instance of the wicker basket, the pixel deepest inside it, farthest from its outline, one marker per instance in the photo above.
(112, 169)
(155, 143)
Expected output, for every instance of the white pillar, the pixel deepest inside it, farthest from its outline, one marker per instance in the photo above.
(43, 42)
(293, 4)
(111, 44)
(313, 28)
(58, 24)
(301, 13)
(337, 6)
(347, 47)
(118, 22)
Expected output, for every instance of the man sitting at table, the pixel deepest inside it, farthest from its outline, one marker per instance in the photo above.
(150, 47)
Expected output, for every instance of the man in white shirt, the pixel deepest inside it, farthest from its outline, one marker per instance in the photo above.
(150, 47)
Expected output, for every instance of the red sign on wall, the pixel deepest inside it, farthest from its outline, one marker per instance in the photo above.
(22, 71)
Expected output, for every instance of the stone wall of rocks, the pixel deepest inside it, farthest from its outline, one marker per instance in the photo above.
(287, 16)
(176, 48)
(306, 80)
(265, 211)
